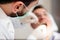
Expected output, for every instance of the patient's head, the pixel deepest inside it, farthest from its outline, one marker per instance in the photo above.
(41, 13)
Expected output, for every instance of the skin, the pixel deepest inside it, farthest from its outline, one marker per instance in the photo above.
(42, 17)
(14, 7)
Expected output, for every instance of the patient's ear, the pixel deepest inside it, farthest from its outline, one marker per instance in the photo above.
(17, 6)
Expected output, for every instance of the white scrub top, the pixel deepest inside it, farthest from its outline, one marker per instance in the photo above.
(6, 27)
(22, 29)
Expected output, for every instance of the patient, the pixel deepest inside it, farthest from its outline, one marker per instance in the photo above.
(41, 13)
(43, 18)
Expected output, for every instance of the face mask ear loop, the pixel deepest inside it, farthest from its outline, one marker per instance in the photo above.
(24, 7)
(17, 14)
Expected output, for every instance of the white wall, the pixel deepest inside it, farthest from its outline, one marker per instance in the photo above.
(46, 3)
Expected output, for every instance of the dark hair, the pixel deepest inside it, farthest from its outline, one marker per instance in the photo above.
(26, 2)
(37, 7)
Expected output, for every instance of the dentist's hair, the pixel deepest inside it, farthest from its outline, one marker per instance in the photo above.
(26, 2)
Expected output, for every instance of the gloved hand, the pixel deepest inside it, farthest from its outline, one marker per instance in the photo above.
(39, 32)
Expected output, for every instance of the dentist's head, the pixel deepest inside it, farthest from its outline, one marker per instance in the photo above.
(11, 7)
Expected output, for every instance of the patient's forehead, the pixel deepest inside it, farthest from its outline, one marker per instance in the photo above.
(40, 10)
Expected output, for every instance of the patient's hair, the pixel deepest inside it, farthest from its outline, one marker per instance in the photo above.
(26, 2)
(37, 7)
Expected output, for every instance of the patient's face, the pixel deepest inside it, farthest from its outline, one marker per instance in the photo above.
(42, 15)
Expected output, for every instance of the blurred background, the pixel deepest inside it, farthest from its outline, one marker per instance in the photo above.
(53, 6)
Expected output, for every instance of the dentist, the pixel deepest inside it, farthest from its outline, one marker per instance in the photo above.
(10, 8)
